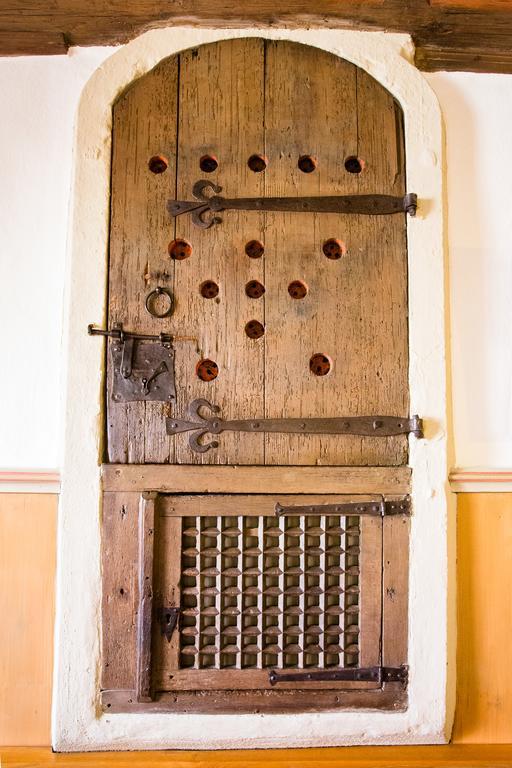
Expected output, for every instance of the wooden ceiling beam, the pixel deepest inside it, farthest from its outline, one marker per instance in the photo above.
(32, 43)
(431, 58)
(469, 35)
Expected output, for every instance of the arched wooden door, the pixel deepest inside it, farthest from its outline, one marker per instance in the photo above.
(291, 320)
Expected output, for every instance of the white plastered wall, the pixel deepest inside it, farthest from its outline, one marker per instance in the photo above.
(78, 723)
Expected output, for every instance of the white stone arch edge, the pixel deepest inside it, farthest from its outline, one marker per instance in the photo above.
(77, 722)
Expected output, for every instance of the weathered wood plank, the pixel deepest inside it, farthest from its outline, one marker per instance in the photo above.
(307, 93)
(243, 679)
(240, 504)
(475, 58)
(234, 479)
(474, 5)
(144, 127)
(167, 580)
(392, 698)
(395, 590)
(120, 589)
(381, 326)
(356, 307)
(370, 592)
(220, 115)
(145, 608)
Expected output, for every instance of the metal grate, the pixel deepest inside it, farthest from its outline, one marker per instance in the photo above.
(262, 592)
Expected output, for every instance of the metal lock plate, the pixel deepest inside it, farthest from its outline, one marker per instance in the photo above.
(143, 370)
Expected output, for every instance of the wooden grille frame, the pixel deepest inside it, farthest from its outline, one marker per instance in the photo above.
(248, 690)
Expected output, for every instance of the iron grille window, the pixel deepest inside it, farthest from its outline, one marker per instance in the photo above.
(260, 592)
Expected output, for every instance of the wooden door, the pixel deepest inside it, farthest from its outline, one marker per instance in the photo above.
(297, 314)
(207, 590)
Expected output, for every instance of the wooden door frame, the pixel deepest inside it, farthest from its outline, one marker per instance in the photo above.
(77, 720)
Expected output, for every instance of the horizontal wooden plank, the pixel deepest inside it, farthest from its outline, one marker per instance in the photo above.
(438, 756)
(242, 679)
(433, 58)
(245, 504)
(474, 5)
(391, 697)
(247, 479)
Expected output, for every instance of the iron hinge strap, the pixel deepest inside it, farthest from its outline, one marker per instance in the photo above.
(348, 674)
(366, 426)
(373, 205)
(379, 508)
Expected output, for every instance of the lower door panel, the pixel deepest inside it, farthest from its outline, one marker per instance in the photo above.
(254, 601)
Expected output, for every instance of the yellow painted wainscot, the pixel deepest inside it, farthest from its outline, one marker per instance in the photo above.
(484, 700)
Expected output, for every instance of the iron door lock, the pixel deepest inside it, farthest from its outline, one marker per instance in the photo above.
(142, 365)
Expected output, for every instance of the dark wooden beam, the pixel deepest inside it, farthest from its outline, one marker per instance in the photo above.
(431, 58)
(32, 43)
(470, 35)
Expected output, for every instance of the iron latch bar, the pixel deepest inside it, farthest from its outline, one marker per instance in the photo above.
(118, 332)
(378, 675)
(373, 205)
(381, 508)
(368, 426)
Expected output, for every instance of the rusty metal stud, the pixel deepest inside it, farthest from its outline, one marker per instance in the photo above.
(254, 249)
(209, 289)
(307, 163)
(257, 163)
(254, 289)
(320, 364)
(207, 370)
(208, 163)
(334, 248)
(254, 329)
(180, 249)
(354, 164)
(297, 289)
(158, 164)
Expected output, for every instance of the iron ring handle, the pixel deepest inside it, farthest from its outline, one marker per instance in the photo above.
(159, 291)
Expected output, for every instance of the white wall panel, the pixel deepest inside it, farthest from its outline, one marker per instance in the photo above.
(38, 97)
